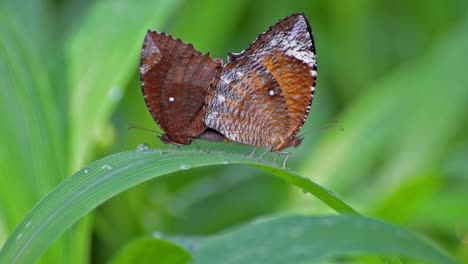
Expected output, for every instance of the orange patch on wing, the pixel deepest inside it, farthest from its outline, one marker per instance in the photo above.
(295, 81)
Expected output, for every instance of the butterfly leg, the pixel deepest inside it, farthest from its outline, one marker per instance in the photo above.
(264, 153)
(278, 153)
(285, 159)
(169, 149)
(253, 152)
(277, 156)
(171, 146)
(200, 147)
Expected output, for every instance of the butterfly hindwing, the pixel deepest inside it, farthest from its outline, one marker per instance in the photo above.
(175, 78)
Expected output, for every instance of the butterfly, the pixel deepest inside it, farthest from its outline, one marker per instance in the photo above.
(175, 79)
(260, 97)
(264, 93)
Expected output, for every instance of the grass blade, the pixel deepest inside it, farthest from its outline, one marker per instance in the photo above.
(105, 178)
(306, 239)
(147, 250)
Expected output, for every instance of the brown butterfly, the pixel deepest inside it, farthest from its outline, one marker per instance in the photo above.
(175, 79)
(264, 93)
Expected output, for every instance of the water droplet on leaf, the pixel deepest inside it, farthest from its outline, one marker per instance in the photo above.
(185, 167)
(115, 94)
(142, 148)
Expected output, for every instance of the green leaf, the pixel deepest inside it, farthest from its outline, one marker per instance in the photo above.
(33, 154)
(306, 239)
(32, 136)
(405, 202)
(152, 251)
(105, 178)
(400, 120)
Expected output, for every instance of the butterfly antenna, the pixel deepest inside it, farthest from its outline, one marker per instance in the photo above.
(328, 126)
(302, 135)
(331, 125)
(133, 126)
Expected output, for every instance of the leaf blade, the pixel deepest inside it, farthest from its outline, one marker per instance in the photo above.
(313, 239)
(105, 178)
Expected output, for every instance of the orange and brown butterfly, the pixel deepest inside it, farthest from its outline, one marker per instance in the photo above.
(264, 93)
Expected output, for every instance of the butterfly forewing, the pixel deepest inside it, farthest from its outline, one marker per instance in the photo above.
(264, 93)
(175, 78)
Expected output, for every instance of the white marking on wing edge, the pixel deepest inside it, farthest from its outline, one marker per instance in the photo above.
(149, 51)
(304, 56)
(314, 73)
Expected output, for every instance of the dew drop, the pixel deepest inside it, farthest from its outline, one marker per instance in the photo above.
(171, 99)
(185, 167)
(19, 236)
(86, 170)
(115, 94)
(107, 166)
(271, 92)
(142, 148)
(225, 162)
(331, 193)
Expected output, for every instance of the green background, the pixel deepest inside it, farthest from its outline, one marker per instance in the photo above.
(387, 130)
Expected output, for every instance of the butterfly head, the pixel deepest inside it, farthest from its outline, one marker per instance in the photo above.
(167, 140)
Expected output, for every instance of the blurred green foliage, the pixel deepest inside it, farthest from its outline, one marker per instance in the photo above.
(393, 74)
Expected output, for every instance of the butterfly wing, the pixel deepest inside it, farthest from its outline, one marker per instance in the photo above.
(264, 93)
(175, 78)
